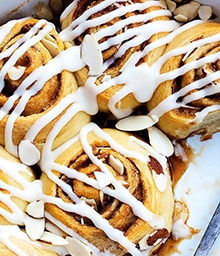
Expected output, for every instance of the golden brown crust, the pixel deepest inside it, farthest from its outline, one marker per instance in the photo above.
(178, 123)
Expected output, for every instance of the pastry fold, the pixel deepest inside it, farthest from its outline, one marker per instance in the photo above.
(187, 101)
(122, 29)
(108, 193)
(30, 89)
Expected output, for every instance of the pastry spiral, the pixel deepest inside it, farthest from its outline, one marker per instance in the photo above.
(30, 84)
(108, 192)
(125, 33)
(187, 101)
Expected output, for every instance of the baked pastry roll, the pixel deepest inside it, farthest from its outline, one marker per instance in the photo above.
(33, 86)
(121, 40)
(111, 190)
(14, 178)
(187, 101)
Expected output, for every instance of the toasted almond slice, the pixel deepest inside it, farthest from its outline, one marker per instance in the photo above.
(92, 55)
(77, 248)
(52, 239)
(103, 179)
(135, 123)
(28, 152)
(16, 73)
(116, 164)
(160, 142)
(171, 5)
(34, 227)
(35, 209)
(189, 10)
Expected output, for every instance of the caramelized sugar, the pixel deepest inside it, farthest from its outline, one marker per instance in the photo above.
(180, 160)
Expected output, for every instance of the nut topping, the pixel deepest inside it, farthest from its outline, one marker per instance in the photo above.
(160, 142)
(92, 55)
(36, 209)
(34, 227)
(75, 247)
(16, 73)
(28, 153)
(116, 164)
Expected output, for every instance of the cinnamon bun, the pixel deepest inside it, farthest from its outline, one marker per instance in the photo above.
(111, 190)
(187, 101)
(125, 38)
(32, 84)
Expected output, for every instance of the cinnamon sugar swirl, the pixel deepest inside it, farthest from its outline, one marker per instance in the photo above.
(125, 38)
(187, 100)
(31, 86)
(112, 190)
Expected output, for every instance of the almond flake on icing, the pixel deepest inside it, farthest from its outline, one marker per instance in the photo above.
(103, 179)
(34, 227)
(160, 181)
(135, 123)
(53, 239)
(35, 209)
(75, 247)
(160, 142)
(16, 73)
(92, 55)
(116, 164)
(28, 153)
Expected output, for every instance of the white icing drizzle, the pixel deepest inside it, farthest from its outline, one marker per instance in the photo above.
(84, 99)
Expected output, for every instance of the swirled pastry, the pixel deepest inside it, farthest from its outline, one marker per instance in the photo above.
(123, 38)
(187, 99)
(33, 86)
(112, 190)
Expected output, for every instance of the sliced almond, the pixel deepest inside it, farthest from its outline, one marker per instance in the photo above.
(160, 181)
(53, 239)
(135, 123)
(205, 12)
(160, 142)
(171, 5)
(77, 248)
(16, 73)
(103, 179)
(163, 3)
(181, 18)
(89, 201)
(92, 55)
(116, 164)
(34, 227)
(189, 10)
(28, 153)
(51, 45)
(36, 209)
